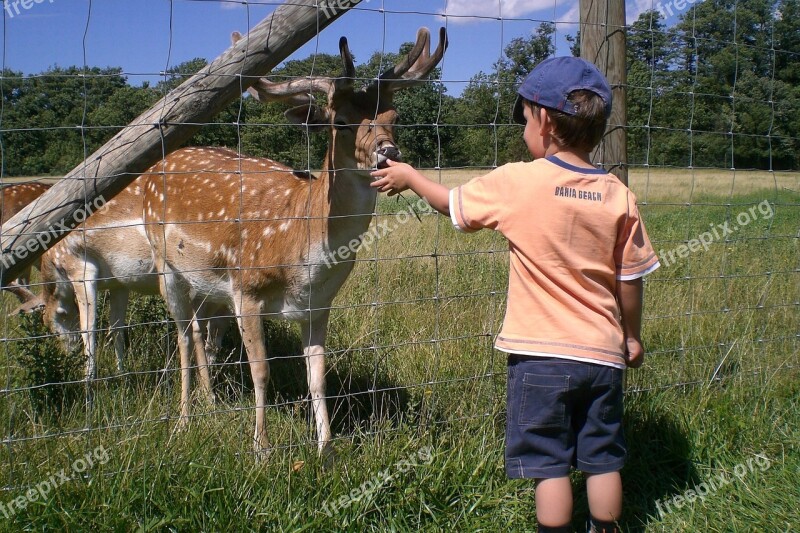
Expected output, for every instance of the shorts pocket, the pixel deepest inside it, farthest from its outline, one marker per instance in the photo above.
(612, 400)
(543, 401)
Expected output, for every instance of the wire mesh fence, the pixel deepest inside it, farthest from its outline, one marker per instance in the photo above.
(712, 134)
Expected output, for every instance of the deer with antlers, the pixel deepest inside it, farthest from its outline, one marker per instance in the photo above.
(12, 199)
(256, 235)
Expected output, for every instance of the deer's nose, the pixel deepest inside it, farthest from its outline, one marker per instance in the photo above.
(386, 152)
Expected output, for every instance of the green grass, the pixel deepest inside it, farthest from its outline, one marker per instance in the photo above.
(412, 367)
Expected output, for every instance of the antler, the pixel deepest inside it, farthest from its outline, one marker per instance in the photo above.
(290, 92)
(347, 61)
(409, 71)
(298, 91)
(417, 64)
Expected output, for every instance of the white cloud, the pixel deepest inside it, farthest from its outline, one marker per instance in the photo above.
(495, 8)
(573, 15)
(462, 10)
(636, 7)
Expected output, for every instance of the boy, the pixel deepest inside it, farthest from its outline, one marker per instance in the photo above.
(578, 252)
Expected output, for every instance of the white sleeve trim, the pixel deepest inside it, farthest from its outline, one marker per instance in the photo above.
(453, 211)
(638, 275)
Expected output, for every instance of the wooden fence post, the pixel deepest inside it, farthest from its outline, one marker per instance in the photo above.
(160, 130)
(603, 43)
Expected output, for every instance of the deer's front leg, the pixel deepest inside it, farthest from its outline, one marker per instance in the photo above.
(313, 335)
(86, 296)
(249, 317)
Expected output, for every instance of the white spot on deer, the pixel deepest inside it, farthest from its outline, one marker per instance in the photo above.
(287, 192)
(221, 212)
(268, 231)
(284, 226)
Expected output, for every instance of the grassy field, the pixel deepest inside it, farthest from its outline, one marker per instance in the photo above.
(417, 393)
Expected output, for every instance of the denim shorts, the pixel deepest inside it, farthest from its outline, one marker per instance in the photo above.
(562, 414)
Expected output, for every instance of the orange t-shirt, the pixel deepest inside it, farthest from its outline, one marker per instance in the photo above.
(572, 233)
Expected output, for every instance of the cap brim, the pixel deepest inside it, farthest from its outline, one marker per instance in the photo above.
(518, 111)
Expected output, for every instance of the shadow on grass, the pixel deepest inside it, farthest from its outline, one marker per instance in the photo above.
(364, 399)
(659, 465)
(358, 396)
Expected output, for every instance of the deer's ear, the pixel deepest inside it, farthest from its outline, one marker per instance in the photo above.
(316, 117)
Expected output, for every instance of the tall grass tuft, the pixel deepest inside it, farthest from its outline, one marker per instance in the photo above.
(50, 376)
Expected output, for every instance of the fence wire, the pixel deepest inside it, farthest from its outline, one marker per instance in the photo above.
(712, 157)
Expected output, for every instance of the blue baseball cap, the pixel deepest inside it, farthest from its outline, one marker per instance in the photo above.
(551, 81)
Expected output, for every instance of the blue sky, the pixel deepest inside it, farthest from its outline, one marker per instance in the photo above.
(146, 36)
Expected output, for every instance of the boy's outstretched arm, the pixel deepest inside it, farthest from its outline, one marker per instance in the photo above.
(629, 296)
(398, 177)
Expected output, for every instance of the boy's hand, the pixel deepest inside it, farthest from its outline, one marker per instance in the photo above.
(634, 353)
(393, 179)
(397, 177)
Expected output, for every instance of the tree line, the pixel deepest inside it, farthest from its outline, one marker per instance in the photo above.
(720, 88)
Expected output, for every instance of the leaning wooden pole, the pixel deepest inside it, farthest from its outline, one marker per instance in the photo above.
(603, 43)
(160, 130)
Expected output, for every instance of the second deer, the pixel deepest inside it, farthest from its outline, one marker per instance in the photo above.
(12, 199)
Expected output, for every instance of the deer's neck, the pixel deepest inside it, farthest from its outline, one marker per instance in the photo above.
(350, 203)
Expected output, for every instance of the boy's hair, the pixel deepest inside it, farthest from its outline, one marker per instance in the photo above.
(585, 128)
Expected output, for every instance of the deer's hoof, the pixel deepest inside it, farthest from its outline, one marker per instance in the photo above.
(328, 455)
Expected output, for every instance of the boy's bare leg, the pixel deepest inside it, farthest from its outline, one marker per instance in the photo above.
(605, 496)
(554, 501)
